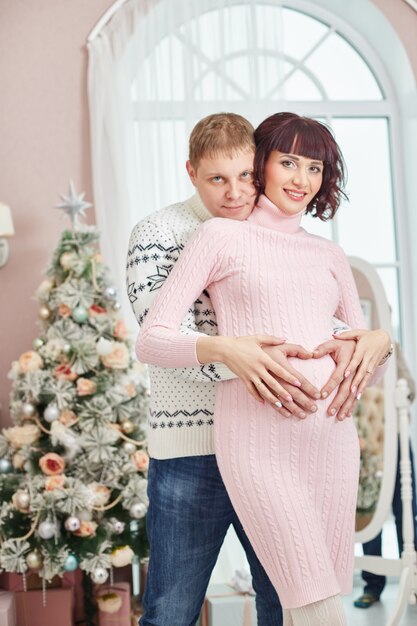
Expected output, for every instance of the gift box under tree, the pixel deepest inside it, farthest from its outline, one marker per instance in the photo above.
(7, 608)
(37, 608)
(224, 606)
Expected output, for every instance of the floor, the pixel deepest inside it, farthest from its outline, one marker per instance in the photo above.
(378, 614)
(232, 557)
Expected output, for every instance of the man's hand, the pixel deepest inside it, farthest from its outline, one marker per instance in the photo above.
(262, 375)
(303, 396)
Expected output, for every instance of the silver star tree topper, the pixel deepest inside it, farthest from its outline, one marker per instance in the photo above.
(73, 205)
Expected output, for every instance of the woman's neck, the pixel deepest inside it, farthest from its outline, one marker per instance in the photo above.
(267, 214)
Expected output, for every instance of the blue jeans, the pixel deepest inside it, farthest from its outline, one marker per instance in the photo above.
(188, 518)
(374, 582)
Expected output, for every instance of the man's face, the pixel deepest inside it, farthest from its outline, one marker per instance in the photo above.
(225, 184)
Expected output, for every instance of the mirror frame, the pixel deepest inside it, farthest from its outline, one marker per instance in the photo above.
(384, 504)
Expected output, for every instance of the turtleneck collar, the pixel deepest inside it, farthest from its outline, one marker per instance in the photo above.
(199, 208)
(267, 214)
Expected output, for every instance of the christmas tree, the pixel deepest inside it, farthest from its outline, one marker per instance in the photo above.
(73, 465)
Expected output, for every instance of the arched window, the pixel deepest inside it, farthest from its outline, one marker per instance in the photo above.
(256, 58)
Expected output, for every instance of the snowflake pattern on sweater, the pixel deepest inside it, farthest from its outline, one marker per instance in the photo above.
(182, 400)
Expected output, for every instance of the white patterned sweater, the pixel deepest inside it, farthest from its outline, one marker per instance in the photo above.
(182, 400)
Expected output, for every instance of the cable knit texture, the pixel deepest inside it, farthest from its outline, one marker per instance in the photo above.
(182, 399)
(292, 482)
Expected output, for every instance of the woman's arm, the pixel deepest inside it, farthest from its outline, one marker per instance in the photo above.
(160, 341)
(152, 252)
(371, 346)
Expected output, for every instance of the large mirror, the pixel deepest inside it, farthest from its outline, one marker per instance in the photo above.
(375, 417)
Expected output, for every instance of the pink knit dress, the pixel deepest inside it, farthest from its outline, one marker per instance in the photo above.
(293, 482)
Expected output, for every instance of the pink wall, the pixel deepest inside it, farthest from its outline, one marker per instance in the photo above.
(404, 20)
(44, 134)
(45, 140)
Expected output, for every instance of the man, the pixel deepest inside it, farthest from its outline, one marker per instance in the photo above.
(190, 511)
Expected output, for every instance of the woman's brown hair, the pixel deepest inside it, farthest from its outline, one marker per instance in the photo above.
(293, 134)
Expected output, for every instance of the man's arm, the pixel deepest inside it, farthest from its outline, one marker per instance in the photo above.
(151, 255)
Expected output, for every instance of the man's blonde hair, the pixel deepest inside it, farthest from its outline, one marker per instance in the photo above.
(220, 133)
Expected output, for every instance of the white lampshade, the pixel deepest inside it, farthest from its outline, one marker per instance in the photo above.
(6, 222)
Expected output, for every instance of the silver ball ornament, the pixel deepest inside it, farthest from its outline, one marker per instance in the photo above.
(71, 563)
(104, 347)
(72, 523)
(137, 510)
(118, 526)
(28, 409)
(80, 314)
(37, 343)
(116, 306)
(5, 466)
(51, 413)
(47, 530)
(34, 559)
(128, 427)
(110, 293)
(66, 348)
(99, 575)
(128, 447)
(44, 312)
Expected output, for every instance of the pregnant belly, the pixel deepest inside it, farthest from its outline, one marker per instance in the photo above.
(317, 371)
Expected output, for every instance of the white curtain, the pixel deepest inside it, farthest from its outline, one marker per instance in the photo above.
(155, 68)
(132, 154)
(112, 150)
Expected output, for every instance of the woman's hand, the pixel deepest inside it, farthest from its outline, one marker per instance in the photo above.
(371, 347)
(303, 397)
(342, 353)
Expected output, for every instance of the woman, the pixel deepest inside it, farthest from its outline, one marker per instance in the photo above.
(292, 482)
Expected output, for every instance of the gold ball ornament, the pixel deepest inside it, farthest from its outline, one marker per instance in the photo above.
(44, 312)
(128, 427)
(34, 560)
(23, 500)
(18, 460)
(66, 260)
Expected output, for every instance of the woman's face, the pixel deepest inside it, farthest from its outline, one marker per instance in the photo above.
(292, 181)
